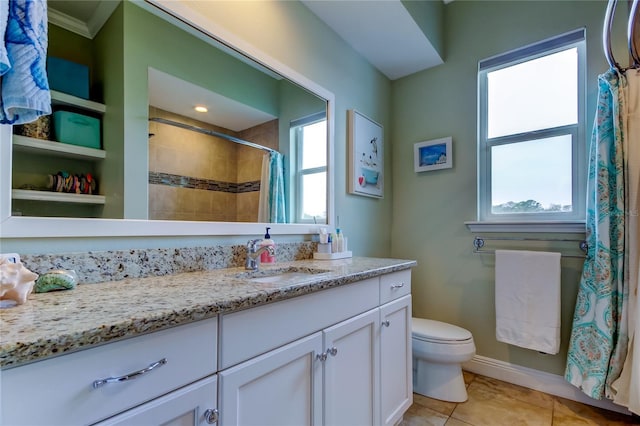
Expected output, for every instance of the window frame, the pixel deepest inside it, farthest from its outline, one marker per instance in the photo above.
(574, 39)
(296, 127)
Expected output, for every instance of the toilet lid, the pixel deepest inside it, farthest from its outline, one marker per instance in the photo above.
(437, 330)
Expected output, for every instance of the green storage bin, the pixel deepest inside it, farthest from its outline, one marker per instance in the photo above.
(76, 129)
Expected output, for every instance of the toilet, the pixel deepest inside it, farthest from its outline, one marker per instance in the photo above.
(439, 349)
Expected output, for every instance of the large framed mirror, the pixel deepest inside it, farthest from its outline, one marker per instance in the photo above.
(261, 153)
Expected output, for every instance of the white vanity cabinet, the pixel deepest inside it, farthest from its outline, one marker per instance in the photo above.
(336, 357)
(340, 356)
(82, 387)
(193, 405)
(351, 380)
(396, 382)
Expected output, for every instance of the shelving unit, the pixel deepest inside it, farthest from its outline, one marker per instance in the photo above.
(57, 149)
(23, 145)
(58, 197)
(59, 98)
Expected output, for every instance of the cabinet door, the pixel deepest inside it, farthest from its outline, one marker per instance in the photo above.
(193, 405)
(395, 360)
(351, 391)
(281, 387)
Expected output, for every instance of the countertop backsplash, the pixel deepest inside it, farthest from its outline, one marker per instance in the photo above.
(103, 266)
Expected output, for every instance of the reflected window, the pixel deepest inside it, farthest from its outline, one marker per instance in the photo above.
(310, 137)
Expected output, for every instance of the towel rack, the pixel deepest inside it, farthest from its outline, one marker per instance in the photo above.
(478, 243)
(606, 35)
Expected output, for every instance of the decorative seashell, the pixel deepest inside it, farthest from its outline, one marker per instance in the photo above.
(16, 281)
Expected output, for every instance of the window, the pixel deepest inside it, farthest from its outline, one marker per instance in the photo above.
(310, 136)
(531, 138)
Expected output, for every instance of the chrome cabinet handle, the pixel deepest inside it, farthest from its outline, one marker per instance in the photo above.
(333, 351)
(321, 357)
(386, 323)
(130, 376)
(394, 286)
(211, 415)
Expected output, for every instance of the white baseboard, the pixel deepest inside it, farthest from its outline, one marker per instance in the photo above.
(536, 380)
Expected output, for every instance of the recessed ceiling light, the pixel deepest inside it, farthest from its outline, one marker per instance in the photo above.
(201, 108)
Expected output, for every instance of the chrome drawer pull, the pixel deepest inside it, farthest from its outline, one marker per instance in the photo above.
(397, 285)
(130, 376)
(386, 323)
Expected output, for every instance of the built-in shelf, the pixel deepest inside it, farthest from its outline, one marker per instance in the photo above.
(58, 149)
(58, 197)
(59, 98)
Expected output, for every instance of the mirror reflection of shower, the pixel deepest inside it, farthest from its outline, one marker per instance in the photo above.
(199, 177)
(197, 170)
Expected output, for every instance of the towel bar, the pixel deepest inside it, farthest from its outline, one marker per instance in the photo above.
(478, 244)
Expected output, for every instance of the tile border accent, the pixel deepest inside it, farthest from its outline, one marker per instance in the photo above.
(179, 181)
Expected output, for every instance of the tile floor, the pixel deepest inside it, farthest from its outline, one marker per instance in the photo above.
(495, 403)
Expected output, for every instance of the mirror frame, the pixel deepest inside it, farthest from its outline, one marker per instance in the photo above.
(54, 227)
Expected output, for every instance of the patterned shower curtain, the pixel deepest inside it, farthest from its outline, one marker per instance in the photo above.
(627, 386)
(598, 343)
(272, 207)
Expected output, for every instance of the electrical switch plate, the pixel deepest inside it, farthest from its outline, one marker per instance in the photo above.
(12, 257)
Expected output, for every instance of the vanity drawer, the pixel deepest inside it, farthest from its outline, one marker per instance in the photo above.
(395, 285)
(246, 334)
(60, 391)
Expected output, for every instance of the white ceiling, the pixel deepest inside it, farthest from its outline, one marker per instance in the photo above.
(382, 31)
(178, 96)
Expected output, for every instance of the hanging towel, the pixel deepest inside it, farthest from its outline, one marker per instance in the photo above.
(24, 87)
(4, 19)
(528, 299)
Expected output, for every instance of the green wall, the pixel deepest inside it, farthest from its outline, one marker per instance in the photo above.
(450, 283)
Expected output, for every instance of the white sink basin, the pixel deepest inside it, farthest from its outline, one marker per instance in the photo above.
(289, 275)
(285, 276)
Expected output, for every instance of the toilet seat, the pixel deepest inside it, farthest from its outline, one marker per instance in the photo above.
(439, 332)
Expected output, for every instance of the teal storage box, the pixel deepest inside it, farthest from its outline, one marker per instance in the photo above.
(76, 129)
(68, 77)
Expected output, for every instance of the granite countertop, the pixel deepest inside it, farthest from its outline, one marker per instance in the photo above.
(50, 324)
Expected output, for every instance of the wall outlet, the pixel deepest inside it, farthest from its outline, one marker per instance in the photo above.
(12, 257)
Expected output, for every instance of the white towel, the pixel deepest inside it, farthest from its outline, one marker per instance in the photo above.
(528, 299)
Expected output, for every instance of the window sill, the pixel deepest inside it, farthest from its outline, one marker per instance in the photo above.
(546, 227)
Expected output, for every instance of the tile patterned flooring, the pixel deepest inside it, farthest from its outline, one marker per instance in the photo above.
(495, 403)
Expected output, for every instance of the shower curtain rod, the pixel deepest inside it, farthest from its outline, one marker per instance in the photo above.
(606, 35)
(210, 133)
(478, 243)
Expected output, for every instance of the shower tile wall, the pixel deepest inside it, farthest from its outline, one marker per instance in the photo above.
(199, 177)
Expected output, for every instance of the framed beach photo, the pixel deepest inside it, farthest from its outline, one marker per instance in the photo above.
(430, 155)
(366, 158)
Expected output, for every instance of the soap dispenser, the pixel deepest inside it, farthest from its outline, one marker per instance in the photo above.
(265, 256)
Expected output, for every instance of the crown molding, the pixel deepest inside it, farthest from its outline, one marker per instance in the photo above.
(68, 23)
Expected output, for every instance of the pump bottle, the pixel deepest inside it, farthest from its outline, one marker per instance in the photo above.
(265, 256)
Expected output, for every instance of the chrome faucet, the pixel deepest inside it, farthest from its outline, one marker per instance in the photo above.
(253, 254)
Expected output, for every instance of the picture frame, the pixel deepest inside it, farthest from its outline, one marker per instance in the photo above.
(434, 154)
(366, 156)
